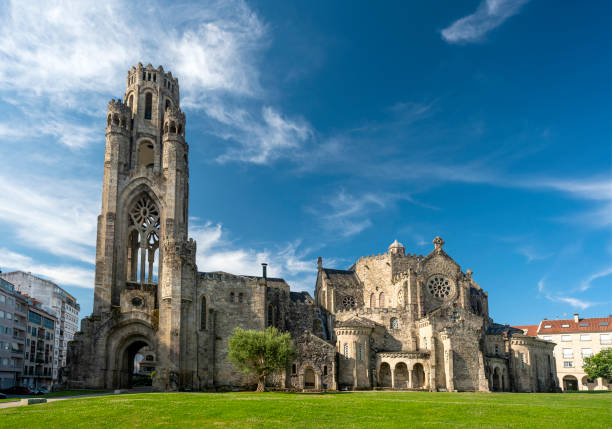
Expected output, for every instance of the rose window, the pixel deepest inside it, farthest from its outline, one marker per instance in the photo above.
(439, 286)
(348, 302)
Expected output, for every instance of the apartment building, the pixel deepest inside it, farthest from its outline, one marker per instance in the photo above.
(55, 300)
(575, 340)
(39, 368)
(12, 335)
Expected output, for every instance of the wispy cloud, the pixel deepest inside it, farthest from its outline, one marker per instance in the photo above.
(68, 275)
(489, 15)
(218, 252)
(562, 298)
(532, 254)
(587, 283)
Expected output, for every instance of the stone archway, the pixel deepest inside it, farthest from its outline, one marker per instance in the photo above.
(123, 344)
(401, 376)
(418, 376)
(570, 383)
(384, 375)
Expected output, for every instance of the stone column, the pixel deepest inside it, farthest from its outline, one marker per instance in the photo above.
(392, 376)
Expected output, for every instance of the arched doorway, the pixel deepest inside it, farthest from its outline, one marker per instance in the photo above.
(128, 372)
(401, 376)
(570, 383)
(496, 380)
(588, 383)
(123, 344)
(418, 376)
(384, 375)
(309, 378)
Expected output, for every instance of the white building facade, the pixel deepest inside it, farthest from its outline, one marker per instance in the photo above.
(58, 303)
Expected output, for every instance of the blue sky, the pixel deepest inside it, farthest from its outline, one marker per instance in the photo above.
(331, 129)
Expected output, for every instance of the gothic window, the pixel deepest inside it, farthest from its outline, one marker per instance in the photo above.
(146, 154)
(231, 298)
(324, 369)
(203, 314)
(372, 301)
(294, 369)
(346, 350)
(131, 101)
(348, 302)
(394, 324)
(148, 105)
(143, 240)
(440, 286)
(240, 297)
(167, 104)
(381, 300)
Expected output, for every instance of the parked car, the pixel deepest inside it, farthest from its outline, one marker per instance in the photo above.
(42, 390)
(18, 390)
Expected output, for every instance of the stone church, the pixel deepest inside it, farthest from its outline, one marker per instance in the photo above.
(393, 320)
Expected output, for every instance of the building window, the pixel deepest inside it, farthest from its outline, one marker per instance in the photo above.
(394, 323)
(585, 337)
(496, 349)
(603, 323)
(584, 325)
(270, 315)
(324, 369)
(547, 337)
(203, 314)
(240, 297)
(547, 326)
(346, 351)
(566, 338)
(587, 353)
(522, 359)
(359, 352)
(231, 297)
(567, 353)
(148, 105)
(294, 369)
(604, 339)
(425, 343)
(565, 325)
(381, 300)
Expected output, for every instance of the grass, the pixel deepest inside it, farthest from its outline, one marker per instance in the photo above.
(346, 410)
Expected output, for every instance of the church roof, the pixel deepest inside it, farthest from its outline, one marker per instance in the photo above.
(356, 321)
(341, 277)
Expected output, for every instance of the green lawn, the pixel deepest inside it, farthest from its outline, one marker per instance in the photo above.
(345, 410)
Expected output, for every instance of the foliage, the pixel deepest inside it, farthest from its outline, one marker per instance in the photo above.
(359, 410)
(261, 352)
(599, 365)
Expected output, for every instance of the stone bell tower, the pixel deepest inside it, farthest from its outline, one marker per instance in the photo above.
(145, 263)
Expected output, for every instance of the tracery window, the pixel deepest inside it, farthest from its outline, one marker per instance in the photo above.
(394, 324)
(348, 302)
(143, 240)
(440, 286)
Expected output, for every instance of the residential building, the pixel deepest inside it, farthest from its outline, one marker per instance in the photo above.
(55, 300)
(575, 340)
(12, 335)
(39, 366)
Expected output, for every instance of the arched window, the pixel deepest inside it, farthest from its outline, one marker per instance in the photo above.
(203, 314)
(231, 298)
(131, 101)
(240, 297)
(324, 369)
(346, 350)
(148, 105)
(146, 154)
(294, 369)
(394, 324)
(270, 315)
(381, 300)
(372, 301)
(167, 104)
(143, 240)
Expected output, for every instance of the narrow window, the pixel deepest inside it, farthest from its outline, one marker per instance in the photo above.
(394, 323)
(381, 300)
(148, 105)
(240, 295)
(203, 314)
(293, 369)
(372, 301)
(154, 77)
(270, 315)
(346, 350)
(324, 369)
(231, 296)
(359, 352)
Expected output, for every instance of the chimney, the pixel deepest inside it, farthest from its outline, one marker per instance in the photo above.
(264, 268)
(576, 318)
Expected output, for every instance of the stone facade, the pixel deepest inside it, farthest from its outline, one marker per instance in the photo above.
(392, 320)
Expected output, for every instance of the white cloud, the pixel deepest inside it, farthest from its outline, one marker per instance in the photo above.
(63, 275)
(489, 15)
(573, 302)
(586, 284)
(50, 214)
(216, 252)
(532, 254)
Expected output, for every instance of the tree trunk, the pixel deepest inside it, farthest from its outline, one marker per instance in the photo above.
(261, 383)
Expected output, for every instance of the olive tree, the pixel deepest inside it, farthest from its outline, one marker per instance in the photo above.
(261, 352)
(599, 365)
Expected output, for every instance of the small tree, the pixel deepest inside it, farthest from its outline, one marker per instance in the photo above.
(261, 352)
(599, 365)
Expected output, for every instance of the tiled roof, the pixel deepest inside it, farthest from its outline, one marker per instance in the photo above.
(532, 330)
(498, 329)
(341, 277)
(595, 324)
